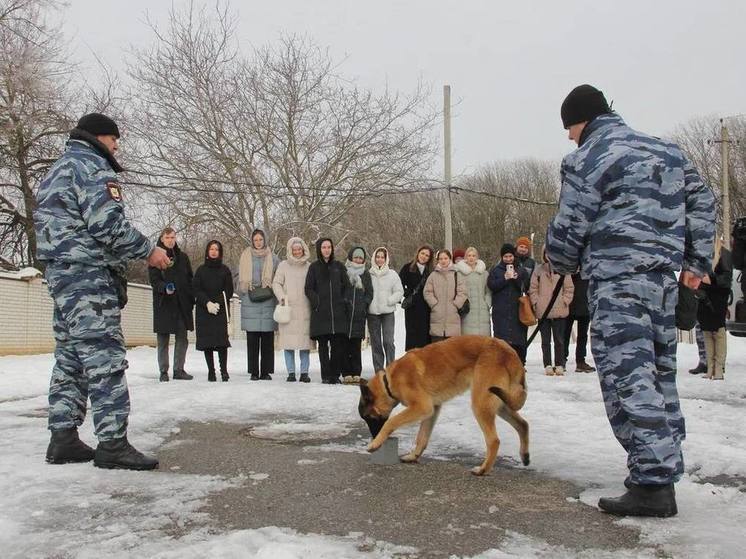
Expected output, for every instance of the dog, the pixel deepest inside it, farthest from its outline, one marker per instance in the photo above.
(424, 378)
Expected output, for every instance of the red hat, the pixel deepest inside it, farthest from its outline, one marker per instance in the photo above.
(458, 253)
(525, 241)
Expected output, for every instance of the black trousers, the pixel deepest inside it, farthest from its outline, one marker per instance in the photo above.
(353, 360)
(332, 355)
(582, 341)
(260, 344)
(222, 359)
(553, 328)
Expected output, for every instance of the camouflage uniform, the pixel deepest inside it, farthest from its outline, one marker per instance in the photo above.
(633, 210)
(85, 241)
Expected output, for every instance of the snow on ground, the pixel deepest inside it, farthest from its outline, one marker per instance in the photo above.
(70, 510)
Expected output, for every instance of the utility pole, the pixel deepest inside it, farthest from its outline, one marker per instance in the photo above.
(725, 187)
(447, 166)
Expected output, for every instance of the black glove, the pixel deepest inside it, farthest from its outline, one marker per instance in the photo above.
(119, 277)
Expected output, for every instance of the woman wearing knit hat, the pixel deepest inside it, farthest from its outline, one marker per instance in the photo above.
(523, 258)
(358, 300)
(505, 282)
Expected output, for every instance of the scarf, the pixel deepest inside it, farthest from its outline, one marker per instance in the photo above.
(246, 268)
(354, 271)
(380, 272)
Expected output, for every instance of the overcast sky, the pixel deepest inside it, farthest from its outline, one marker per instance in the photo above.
(509, 64)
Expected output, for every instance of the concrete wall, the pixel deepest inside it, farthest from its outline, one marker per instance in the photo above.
(26, 311)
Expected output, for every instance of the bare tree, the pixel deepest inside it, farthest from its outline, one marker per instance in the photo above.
(274, 138)
(34, 109)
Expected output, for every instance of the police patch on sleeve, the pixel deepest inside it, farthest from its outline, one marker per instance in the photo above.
(114, 191)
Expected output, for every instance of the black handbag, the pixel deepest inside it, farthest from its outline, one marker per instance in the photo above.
(686, 307)
(464, 309)
(260, 294)
(408, 301)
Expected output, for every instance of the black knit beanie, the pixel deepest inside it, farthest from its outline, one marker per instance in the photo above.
(98, 125)
(507, 248)
(584, 103)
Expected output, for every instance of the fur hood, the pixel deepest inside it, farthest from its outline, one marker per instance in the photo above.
(465, 269)
(292, 259)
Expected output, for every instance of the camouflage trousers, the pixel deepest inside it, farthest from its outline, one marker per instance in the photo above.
(633, 339)
(89, 353)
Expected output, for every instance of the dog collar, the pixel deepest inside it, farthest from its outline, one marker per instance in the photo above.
(388, 390)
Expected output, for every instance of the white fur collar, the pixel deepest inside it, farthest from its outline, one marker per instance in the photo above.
(465, 269)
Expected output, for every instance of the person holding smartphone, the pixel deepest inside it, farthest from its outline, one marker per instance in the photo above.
(505, 282)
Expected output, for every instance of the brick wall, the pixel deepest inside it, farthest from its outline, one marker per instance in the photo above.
(26, 317)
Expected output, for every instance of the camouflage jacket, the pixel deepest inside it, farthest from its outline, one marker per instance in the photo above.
(630, 203)
(80, 214)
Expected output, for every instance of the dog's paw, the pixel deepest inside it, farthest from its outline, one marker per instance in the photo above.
(409, 458)
(372, 447)
(478, 471)
(525, 459)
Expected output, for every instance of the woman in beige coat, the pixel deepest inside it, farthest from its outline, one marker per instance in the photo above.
(289, 288)
(543, 282)
(445, 293)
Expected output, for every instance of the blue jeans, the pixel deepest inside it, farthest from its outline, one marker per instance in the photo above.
(304, 360)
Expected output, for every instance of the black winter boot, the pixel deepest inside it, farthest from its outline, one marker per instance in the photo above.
(119, 454)
(304, 377)
(65, 446)
(291, 377)
(700, 369)
(182, 375)
(642, 500)
(164, 377)
(224, 376)
(211, 376)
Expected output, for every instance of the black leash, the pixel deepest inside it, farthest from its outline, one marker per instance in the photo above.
(555, 294)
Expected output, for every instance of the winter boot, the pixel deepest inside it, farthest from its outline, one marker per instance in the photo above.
(164, 376)
(642, 500)
(583, 367)
(119, 454)
(699, 369)
(304, 377)
(254, 376)
(224, 376)
(291, 377)
(549, 371)
(265, 377)
(211, 375)
(65, 446)
(559, 370)
(182, 375)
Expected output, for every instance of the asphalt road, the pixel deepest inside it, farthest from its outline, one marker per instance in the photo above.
(435, 506)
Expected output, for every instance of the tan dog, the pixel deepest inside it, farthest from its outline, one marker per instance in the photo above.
(424, 378)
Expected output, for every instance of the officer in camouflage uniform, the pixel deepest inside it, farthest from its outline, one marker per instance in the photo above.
(633, 211)
(85, 241)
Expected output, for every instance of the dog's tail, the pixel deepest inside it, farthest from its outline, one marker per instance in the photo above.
(514, 398)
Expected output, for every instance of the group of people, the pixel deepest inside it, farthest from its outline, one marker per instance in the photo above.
(632, 212)
(329, 303)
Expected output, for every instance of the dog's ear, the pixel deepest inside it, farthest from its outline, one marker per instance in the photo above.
(365, 392)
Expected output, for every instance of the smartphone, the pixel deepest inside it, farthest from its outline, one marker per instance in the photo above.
(509, 268)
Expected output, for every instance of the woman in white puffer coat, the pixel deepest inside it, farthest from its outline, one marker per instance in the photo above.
(474, 274)
(387, 292)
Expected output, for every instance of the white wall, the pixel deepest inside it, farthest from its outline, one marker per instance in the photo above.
(26, 317)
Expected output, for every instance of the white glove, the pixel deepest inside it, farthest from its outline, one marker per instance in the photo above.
(213, 308)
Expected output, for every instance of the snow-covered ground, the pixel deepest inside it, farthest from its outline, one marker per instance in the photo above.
(69, 511)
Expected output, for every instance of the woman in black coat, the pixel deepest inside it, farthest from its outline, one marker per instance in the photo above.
(413, 276)
(359, 297)
(326, 288)
(172, 305)
(505, 293)
(712, 311)
(213, 289)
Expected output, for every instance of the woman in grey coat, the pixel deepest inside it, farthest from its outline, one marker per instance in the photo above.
(258, 302)
(474, 274)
